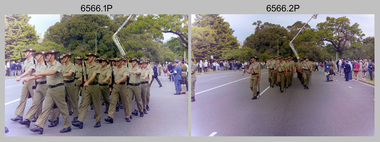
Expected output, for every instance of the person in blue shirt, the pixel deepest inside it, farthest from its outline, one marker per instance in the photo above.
(327, 70)
(155, 74)
(347, 70)
(170, 70)
(177, 72)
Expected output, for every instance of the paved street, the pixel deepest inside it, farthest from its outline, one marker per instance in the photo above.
(168, 116)
(224, 107)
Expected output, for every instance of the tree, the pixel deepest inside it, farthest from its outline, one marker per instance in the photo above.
(203, 41)
(339, 33)
(223, 38)
(18, 34)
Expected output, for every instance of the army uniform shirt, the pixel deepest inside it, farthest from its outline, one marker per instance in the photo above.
(271, 64)
(78, 72)
(28, 64)
(95, 68)
(144, 72)
(281, 67)
(67, 69)
(307, 65)
(118, 73)
(41, 68)
(255, 68)
(134, 78)
(57, 77)
(104, 73)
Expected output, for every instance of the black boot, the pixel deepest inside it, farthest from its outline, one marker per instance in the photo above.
(147, 107)
(127, 119)
(37, 129)
(17, 118)
(65, 130)
(141, 114)
(135, 113)
(34, 119)
(70, 113)
(78, 124)
(97, 125)
(145, 111)
(192, 99)
(109, 119)
(26, 122)
(117, 109)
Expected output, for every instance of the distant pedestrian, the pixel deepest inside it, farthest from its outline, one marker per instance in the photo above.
(155, 74)
(371, 69)
(347, 70)
(177, 72)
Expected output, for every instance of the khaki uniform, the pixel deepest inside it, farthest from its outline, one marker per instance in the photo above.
(193, 79)
(72, 96)
(78, 74)
(287, 77)
(306, 72)
(271, 70)
(39, 94)
(277, 77)
(27, 88)
(91, 93)
(292, 70)
(134, 90)
(144, 88)
(254, 68)
(281, 70)
(55, 95)
(150, 73)
(119, 91)
(104, 87)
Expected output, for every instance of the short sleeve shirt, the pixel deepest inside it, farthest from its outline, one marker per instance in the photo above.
(78, 71)
(119, 73)
(134, 78)
(41, 68)
(143, 73)
(104, 73)
(95, 68)
(255, 68)
(67, 69)
(58, 76)
(281, 67)
(28, 64)
(307, 65)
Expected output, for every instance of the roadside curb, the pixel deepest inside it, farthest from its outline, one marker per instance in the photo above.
(366, 82)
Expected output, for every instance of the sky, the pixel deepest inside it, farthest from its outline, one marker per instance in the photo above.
(42, 22)
(242, 23)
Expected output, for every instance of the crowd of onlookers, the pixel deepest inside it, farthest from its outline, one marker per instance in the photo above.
(355, 69)
(13, 68)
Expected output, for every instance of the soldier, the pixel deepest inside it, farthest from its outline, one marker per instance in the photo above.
(91, 91)
(119, 90)
(299, 70)
(134, 89)
(184, 82)
(307, 71)
(40, 92)
(27, 88)
(281, 72)
(69, 81)
(287, 66)
(150, 75)
(193, 79)
(271, 66)
(277, 77)
(145, 82)
(292, 71)
(332, 69)
(255, 70)
(55, 94)
(104, 77)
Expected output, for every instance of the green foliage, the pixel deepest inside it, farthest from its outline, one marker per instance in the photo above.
(340, 34)
(18, 34)
(212, 36)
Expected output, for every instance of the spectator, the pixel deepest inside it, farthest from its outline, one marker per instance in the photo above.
(371, 69)
(365, 69)
(347, 70)
(19, 68)
(356, 69)
(8, 68)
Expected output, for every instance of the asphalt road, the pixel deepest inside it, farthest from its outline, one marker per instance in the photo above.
(224, 107)
(168, 116)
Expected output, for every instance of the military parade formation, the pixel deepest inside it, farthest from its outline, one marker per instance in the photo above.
(280, 72)
(118, 83)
